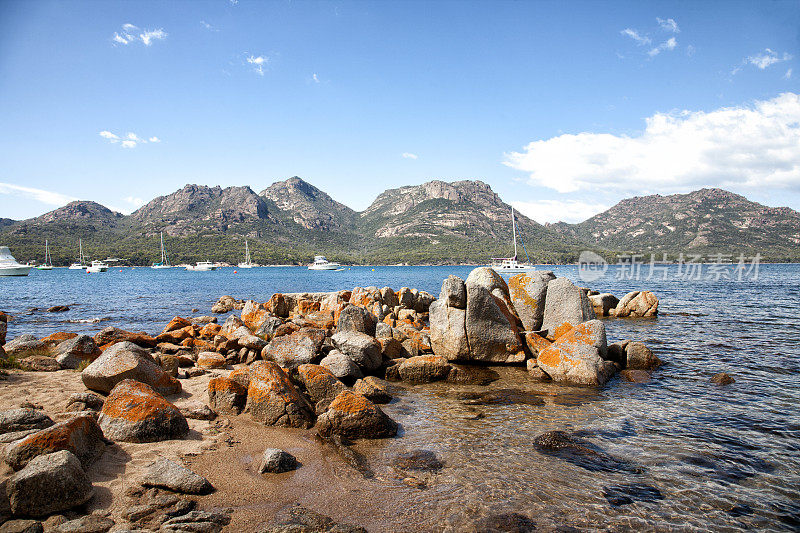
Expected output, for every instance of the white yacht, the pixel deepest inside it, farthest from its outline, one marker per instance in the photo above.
(164, 263)
(202, 266)
(97, 266)
(247, 262)
(80, 264)
(48, 261)
(320, 263)
(510, 264)
(9, 265)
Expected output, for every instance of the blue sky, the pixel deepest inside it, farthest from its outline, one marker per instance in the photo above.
(563, 108)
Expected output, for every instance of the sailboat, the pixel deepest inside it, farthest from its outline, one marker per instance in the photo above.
(510, 264)
(80, 263)
(9, 266)
(164, 263)
(247, 262)
(48, 261)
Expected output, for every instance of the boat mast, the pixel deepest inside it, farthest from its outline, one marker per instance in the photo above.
(163, 255)
(246, 252)
(80, 251)
(514, 229)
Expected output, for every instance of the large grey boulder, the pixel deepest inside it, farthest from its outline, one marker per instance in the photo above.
(454, 292)
(290, 351)
(449, 329)
(166, 474)
(341, 366)
(134, 412)
(492, 333)
(49, 484)
(639, 356)
(273, 400)
(565, 303)
(23, 419)
(24, 346)
(355, 318)
(81, 436)
(577, 356)
(363, 350)
(267, 328)
(424, 369)
(528, 291)
(226, 396)
(126, 360)
(321, 385)
(72, 352)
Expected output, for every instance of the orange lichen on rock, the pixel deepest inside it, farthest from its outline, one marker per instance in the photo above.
(351, 403)
(536, 343)
(80, 435)
(254, 314)
(518, 290)
(305, 307)
(177, 323)
(561, 329)
(60, 336)
(210, 330)
(134, 412)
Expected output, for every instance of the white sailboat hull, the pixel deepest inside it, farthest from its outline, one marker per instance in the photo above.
(329, 266)
(244, 265)
(77, 267)
(157, 267)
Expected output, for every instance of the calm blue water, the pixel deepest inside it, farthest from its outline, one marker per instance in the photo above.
(721, 458)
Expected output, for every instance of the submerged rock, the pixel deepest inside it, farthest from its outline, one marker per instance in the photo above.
(618, 495)
(502, 397)
(722, 379)
(299, 519)
(580, 453)
(505, 523)
(635, 376)
(424, 460)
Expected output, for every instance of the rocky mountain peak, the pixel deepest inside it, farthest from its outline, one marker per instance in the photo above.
(79, 211)
(307, 205)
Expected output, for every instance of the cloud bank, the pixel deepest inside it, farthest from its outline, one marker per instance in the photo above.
(572, 211)
(40, 195)
(747, 147)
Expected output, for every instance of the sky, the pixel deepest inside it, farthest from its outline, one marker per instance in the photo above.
(564, 108)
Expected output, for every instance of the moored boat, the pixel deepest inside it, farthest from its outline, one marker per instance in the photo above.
(164, 263)
(48, 261)
(9, 266)
(320, 263)
(202, 266)
(80, 264)
(247, 262)
(97, 266)
(510, 264)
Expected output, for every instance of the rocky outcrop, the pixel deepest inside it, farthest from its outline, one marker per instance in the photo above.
(352, 416)
(134, 412)
(49, 484)
(565, 305)
(290, 351)
(576, 356)
(321, 385)
(492, 332)
(226, 396)
(81, 436)
(273, 400)
(126, 360)
(637, 304)
(362, 349)
(72, 352)
(603, 304)
(528, 292)
(424, 369)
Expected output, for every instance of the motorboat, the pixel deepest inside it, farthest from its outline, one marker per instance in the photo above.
(97, 266)
(164, 263)
(510, 264)
(9, 266)
(48, 261)
(202, 266)
(247, 262)
(80, 264)
(320, 263)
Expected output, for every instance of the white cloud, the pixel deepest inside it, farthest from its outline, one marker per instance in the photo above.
(208, 26)
(129, 140)
(755, 146)
(148, 36)
(409, 155)
(668, 25)
(669, 44)
(315, 78)
(788, 75)
(572, 211)
(46, 197)
(130, 33)
(767, 58)
(633, 34)
(234, 2)
(258, 62)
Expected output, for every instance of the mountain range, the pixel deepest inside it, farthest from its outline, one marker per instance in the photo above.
(436, 222)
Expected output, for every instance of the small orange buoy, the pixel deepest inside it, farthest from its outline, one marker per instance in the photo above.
(235, 272)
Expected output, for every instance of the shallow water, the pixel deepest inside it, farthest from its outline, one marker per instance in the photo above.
(675, 454)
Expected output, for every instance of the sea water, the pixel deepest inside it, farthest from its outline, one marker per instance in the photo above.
(677, 453)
